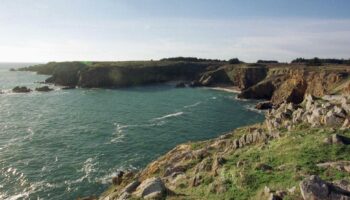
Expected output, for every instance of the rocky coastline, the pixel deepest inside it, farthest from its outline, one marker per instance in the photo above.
(301, 151)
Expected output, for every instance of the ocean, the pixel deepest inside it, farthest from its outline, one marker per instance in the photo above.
(66, 144)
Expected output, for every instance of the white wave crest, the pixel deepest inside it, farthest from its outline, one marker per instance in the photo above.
(193, 105)
(168, 116)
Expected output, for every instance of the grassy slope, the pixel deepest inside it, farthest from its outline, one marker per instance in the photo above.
(292, 157)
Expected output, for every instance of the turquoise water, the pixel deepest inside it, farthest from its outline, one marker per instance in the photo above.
(68, 143)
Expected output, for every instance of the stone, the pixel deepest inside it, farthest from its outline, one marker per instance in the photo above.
(274, 197)
(265, 105)
(204, 165)
(314, 187)
(332, 119)
(118, 179)
(339, 165)
(44, 89)
(340, 139)
(124, 196)
(152, 188)
(218, 162)
(197, 180)
(171, 170)
(18, 89)
(131, 187)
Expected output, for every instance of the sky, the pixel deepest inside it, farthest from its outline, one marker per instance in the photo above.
(110, 30)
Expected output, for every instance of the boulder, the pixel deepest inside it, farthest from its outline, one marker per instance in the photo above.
(171, 170)
(339, 165)
(152, 188)
(333, 119)
(315, 188)
(43, 89)
(131, 187)
(18, 89)
(264, 105)
(337, 139)
(118, 179)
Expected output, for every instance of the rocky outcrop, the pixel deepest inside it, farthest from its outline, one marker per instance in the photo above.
(314, 187)
(265, 105)
(19, 89)
(292, 90)
(339, 165)
(44, 89)
(152, 188)
(313, 112)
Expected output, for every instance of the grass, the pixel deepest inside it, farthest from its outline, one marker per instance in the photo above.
(292, 157)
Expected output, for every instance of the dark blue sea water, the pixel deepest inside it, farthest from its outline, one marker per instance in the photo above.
(68, 143)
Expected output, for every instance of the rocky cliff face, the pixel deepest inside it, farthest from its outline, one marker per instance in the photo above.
(291, 84)
(242, 76)
(278, 83)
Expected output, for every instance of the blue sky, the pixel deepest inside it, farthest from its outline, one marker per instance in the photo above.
(65, 30)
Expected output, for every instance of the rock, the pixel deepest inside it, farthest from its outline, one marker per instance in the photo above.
(152, 188)
(43, 89)
(18, 89)
(333, 119)
(12, 70)
(124, 196)
(292, 90)
(218, 162)
(180, 85)
(292, 190)
(197, 180)
(200, 153)
(131, 187)
(204, 165)
(171, 170)
(314, 187)
(274, 197)
(339, 165)
(346, 124)
(337, 139)
(118, 179)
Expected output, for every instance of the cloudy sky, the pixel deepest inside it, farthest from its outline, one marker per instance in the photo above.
(66, 30)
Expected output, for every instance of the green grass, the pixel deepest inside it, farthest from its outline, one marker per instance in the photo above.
(292, 157)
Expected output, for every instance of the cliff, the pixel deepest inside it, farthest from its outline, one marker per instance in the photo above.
(299, 152)
(120, 74)
(274, 82)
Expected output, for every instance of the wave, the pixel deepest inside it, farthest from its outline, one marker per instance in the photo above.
(168, 116)
(252, 108)
(193, 105)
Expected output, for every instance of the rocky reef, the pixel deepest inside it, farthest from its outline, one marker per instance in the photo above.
(301, 151)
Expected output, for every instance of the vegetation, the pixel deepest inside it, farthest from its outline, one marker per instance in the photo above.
(234, 61)
(319, 61)
(291, 158)
(267, 61)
